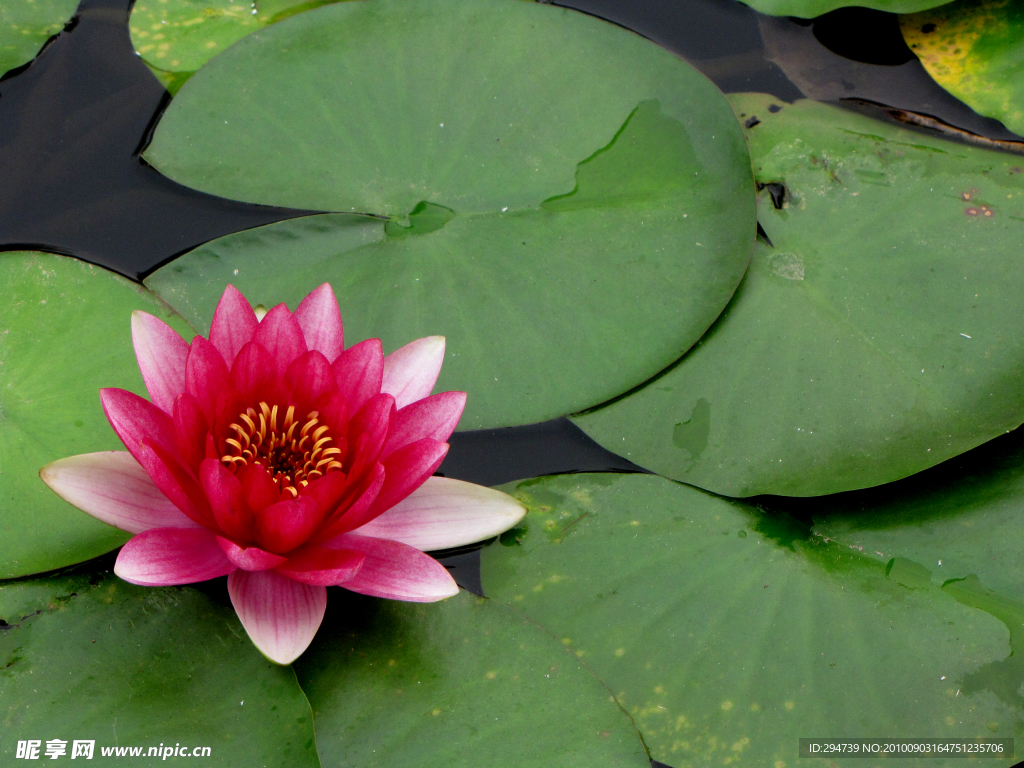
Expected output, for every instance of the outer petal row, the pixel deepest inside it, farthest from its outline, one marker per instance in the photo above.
(444, 513)
(396, 571)
(112, 487)
(164, 557)
(280, 615)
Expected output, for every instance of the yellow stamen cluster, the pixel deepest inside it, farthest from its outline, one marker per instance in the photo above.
(294, 455)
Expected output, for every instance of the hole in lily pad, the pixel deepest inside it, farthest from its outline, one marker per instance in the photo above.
(423, 219)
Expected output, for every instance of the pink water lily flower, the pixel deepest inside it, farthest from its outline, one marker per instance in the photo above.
(275, 456)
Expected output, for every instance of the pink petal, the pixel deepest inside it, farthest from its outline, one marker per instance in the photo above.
(253, 373)
(280, 334)
(445, 513)
(227, 500)
(280, 615)
(164, 557)
(309, 377)
(283, 526)
(328, 490)
(320, 320)
(176, 483)
(369, 426)
(359, 372)
(405, 470)
(191, 428)
(434, 417)
(112, 487)
(206, 376)
(334, 413)
(352, 511)
(233, 324)
(249, 558)
(411, 372)
(396, 571)
(322, 567)
(161, 353)
(135, 419)
(260, 489)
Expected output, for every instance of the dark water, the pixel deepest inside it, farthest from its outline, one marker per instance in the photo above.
(74, 122)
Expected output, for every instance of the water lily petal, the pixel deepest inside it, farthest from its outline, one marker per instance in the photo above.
(260, 489)
(249, 558)
(227, 500)
(281, 615)
(164, 557)
(359, 371)
(308, 377)
(435, 417)
(253, 373)
(161, 353)
(206, 376)
(234, 323)
(411, 371)
(352, 507)
(280, 334)
(321, 566)
(113, 487)
(396, 571)
(135, 419)
(405, 470)
(191, 428)
(370, 426)
(320, 319)
(445, 513)
(283, 526)
(335, 414)
(327, 490)
(175, 482)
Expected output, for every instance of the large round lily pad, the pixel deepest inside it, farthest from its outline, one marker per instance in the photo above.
(808, 9)
(466, 682)
(569, 204)
(65, 332)
(972, 48)
(879, 336)
(177, 37)
(26, 24)
(133, 668)
(729, 634)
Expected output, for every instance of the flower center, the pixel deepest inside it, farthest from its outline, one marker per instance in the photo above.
(293, 453)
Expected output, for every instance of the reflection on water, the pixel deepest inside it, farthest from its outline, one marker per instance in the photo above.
(879, 73)
(72, 125)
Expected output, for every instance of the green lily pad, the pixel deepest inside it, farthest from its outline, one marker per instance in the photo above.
(808, 9)
(26, 24)
(65, 332)
(569, 204)
(878, 337)
(135, 667)
(728, 634)
(964, 517)
(972, 49)
(464, 682)
(177, 37)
